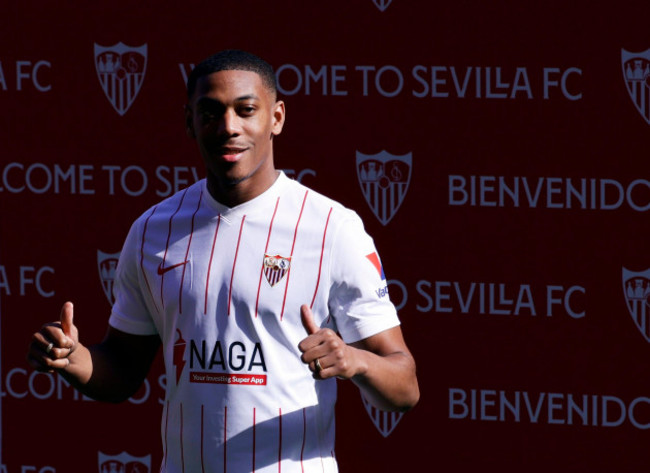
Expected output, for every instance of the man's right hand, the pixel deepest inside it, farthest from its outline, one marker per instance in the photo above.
(54, 342)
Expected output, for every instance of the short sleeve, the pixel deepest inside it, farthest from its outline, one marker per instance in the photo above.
(358, 299)
(131, 312)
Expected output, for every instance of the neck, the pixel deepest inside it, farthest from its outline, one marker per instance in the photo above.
(233, 193)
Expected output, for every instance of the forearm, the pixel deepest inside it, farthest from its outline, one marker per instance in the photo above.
(96, 373)
(387, 381)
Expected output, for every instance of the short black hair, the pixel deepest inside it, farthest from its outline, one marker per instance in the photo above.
(233, 60)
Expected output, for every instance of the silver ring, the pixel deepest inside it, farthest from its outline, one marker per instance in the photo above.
(319, 368)
(48, 349)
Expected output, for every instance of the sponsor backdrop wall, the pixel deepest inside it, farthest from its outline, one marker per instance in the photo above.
(498, 152)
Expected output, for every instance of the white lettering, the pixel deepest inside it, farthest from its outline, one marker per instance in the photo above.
(3, 81)
(444, 297)
(548, 192)
(490, 405)
(27, 277)
(330, 79)
(4, 282)
(24, 70)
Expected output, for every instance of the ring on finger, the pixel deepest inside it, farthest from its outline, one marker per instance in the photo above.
(318, 366)
(48, 349)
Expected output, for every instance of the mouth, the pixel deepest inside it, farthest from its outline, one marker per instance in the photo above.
(231, 154)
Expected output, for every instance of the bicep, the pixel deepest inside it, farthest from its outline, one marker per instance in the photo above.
(387, 342)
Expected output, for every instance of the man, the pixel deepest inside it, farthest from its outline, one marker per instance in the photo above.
(245, 278)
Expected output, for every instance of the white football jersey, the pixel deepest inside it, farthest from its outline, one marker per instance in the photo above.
(223, 289)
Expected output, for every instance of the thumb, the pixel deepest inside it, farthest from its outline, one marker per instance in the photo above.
(66, 319)
(308, 320)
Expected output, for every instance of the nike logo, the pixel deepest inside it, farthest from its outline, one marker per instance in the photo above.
(162, 270)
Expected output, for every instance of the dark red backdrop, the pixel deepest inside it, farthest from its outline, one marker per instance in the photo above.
(515, 246)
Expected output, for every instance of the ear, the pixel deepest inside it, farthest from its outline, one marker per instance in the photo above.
(189, 122)
(278, 117)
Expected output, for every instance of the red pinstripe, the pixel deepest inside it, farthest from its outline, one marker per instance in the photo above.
(187, 252)
(293, 245)
(225, 434)
(144, 274)
(266, 248)
(166, 424)
(182, 449)
(202, 465)
(169, 234)
(320, 265)
(304, 438)
(254, 424)
(232, 275)
(280, 441)
(207, 279)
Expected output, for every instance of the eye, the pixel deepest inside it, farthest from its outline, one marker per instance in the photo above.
(206, 115)
(247, 110)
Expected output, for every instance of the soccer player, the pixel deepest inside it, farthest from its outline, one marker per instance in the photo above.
(246, 279)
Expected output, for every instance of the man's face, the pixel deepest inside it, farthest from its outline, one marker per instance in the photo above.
(233, 118)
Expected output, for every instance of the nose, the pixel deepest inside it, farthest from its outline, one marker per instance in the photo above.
(230, 123)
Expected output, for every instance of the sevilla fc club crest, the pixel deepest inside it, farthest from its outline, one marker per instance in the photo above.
(383, 420)
(636, 71)
(382, 4)
(120, 69)
(124, 463)
(275, 267)
(384, 180)
(636, 287)
(106, 265)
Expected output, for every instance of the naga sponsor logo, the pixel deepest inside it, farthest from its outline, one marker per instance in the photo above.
(238, 357)
(548, 192)
(179, 355)
(225, 378)
(120, 70)
(123, 463)
(384, 179)
(489, 298)
(588, 410)
(427, 81)
(636, 72)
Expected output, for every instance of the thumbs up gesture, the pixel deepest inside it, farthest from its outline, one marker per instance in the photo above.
(54, 342)
(326, 354)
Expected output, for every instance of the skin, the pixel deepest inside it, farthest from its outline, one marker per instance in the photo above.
(233, 117)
